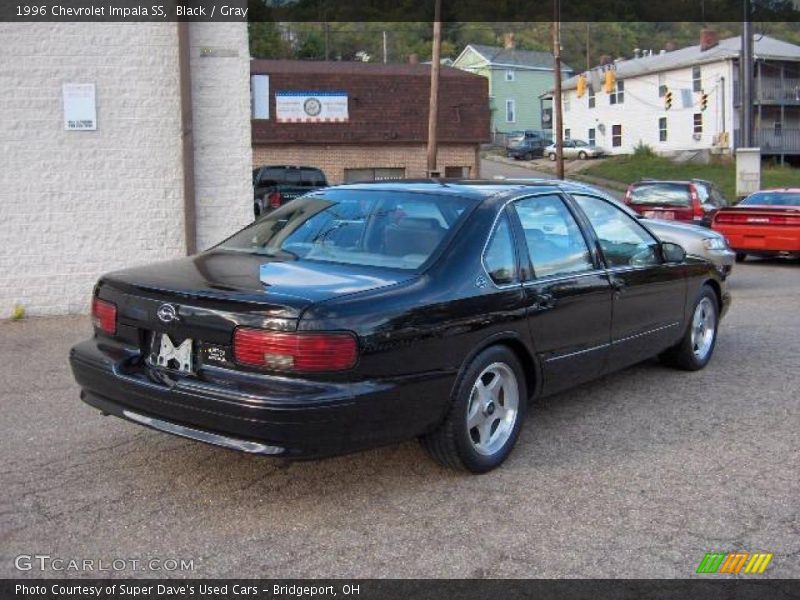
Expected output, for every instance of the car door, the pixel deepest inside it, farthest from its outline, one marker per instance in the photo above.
(569, 149)
(567, 293)
(649, 295)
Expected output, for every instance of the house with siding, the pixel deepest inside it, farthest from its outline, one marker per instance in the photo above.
(516, 80)
(635, 111)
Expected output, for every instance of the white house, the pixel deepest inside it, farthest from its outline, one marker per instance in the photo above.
(636, 112)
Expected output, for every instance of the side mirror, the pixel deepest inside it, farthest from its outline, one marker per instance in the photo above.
(672, 253)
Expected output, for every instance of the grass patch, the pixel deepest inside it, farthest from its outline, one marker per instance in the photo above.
(627, 169)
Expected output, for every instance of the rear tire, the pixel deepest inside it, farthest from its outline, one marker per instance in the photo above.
(582, 155)
(741, 257)
(695, 349)
(487, 409)
(552, 156)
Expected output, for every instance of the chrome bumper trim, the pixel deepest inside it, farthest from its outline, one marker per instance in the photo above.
(204, 436)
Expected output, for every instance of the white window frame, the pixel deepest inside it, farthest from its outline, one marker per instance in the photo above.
(697, 79)
(621, 132)
(618, 95)
(662, 85)
(567, 133)
(591, 136)
(592, 99)
(566, 103)
(665, 129)
(510, 75)
(513, 104)
(695, 127)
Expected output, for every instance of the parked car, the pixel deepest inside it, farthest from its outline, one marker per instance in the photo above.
(697, 241)
(340, 322)
(695, 200)
(526, 149)
(766, 223)
(575, 149)
(515, 137)
(274, 186)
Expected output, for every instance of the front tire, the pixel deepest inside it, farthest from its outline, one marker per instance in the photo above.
(487, 409)
(582, 155)
(741, 257)
(694, 350)
(552, 156)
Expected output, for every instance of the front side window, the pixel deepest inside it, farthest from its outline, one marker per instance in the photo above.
(623, 241)
(499, 258)
(398, 230)
(511, 111)
(555, 243)
(662, 129)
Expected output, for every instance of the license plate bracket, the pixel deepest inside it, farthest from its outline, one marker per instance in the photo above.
(167, 355)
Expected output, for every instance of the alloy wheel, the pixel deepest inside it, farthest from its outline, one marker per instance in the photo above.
(493, 408)
(704, 326)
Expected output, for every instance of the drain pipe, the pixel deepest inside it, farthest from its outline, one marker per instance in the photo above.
(187, 138)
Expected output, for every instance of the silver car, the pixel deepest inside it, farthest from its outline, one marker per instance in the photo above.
(575, 149)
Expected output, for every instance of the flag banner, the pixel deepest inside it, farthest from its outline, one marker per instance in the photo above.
(311, 107)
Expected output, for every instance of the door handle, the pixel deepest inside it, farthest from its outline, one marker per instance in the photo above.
(544, 302)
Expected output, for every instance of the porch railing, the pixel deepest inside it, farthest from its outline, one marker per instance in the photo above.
(771, 141)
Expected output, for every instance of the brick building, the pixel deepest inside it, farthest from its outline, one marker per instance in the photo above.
(386, 129)
(162, 165)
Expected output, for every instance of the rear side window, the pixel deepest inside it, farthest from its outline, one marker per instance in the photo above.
(312, 178)
(499, 259)
(671, 194)
(271, 177)
(555, 243)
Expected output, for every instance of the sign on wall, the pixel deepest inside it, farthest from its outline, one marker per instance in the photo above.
(259, 97)
(311, 107)
(80, 113)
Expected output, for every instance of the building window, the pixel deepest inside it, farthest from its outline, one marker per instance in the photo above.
(618, 95)
(592, 137)
(662, 85)
(456, 172)
(591, 96)
(662, 129)
(511, 111)
(510, 75)
(616, 136)
(697, 81)
(567, 134)
(698, 122)
(566, 102)
(373, 174)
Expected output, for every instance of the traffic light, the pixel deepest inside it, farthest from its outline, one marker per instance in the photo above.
(703, 101)
(581, 86)
(667, 100)
(610, 80)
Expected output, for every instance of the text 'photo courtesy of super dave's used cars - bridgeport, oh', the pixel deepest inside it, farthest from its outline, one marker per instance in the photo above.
(367, 314)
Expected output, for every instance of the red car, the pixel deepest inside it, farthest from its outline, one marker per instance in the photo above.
(694, 201)
(766, 223)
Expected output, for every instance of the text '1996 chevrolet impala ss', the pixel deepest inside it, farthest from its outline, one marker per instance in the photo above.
(367, 314)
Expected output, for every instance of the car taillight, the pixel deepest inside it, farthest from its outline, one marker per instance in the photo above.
(104, 315)
(305, 352)
(756, 219)
(275, 200)
(697, 206)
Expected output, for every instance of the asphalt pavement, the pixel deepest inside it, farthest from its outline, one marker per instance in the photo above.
(636, 475)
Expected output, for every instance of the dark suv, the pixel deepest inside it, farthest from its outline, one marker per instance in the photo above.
(274, 186)
(527, 149)
(695, 200)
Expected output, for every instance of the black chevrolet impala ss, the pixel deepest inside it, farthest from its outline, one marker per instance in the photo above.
(367, 314)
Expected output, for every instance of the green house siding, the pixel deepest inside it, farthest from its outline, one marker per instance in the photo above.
(525, 91)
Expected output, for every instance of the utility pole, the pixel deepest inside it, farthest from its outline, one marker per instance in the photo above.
(433, 107)
(558, 125)
(326, 30)
(588, 55)
(385, 53)
(746, 71)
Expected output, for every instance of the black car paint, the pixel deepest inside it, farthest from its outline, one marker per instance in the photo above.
(416, 332)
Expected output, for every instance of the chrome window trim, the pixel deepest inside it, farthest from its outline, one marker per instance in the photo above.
(554, 278)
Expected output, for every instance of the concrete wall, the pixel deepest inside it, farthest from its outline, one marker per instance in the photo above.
(333, 160)
(642, 108)
(76, 204)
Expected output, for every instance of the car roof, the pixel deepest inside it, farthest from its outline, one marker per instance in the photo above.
(286, 167)
(477, 188)
(678, 181)
(780, 190)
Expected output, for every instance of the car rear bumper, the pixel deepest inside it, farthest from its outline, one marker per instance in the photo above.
(261, 414)
(763, 239)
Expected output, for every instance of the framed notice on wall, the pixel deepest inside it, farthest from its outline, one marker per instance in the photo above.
(311, 107)
(80, 113)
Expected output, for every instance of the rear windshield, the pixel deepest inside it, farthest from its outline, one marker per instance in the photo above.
(672, 194)
(399, 230)
(772, 199)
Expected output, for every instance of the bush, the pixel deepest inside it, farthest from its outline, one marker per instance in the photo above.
(642, 150)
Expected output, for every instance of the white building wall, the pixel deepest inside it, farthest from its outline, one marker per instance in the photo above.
(640, 112)
(76, 204)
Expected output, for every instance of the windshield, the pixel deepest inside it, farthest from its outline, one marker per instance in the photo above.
(673, 194)
(772, 199)
(393, 229)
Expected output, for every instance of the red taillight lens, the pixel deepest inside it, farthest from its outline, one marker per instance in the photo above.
(275, 200)
(697, 206)
(294, 351)
(104, 315)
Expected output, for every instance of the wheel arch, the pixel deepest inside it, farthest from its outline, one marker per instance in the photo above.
(714, 285)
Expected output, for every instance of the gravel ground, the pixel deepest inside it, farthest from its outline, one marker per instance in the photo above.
(635, 475)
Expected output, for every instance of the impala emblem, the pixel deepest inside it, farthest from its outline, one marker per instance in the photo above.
(167, 313)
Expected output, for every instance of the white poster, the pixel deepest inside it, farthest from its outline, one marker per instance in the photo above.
(259, 96)
(80, 113)
(311, 107)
